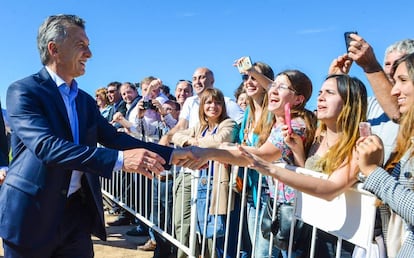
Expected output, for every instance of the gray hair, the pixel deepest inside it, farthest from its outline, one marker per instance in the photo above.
(54, 29)
(405, 46)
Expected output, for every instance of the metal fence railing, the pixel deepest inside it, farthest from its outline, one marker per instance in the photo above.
(350, 216)
(176, 206)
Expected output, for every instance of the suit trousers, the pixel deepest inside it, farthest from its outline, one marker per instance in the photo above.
(72, 239)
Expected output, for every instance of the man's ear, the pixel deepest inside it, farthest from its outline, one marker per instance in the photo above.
(52, 48)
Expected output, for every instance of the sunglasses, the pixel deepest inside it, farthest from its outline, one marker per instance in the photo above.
(111, 91)
(245, 77)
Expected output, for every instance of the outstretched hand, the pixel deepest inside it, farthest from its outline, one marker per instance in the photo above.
(143, 161)
(255, 162)
(190, 157)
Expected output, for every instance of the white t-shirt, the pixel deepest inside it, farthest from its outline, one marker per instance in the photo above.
(382, 126)
(191, 106)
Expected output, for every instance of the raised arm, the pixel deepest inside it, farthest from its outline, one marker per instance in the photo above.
(261, 78)
(363, 54)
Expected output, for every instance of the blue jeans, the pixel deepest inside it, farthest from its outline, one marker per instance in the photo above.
(261, 244)
(215, 224)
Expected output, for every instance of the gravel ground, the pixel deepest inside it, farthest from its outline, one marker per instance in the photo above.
(118, 244)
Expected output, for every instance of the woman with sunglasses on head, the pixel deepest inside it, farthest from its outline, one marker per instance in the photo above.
(254, 130)
(394, 184)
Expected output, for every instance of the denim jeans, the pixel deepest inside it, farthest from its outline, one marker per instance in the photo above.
(261, 248)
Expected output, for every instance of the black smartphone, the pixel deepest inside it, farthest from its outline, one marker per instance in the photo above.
(348, 39)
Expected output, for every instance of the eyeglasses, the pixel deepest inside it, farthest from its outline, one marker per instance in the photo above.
(282, 87)
(245, 77)
(111, 91)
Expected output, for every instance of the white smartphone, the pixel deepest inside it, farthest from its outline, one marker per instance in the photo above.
(245, 64)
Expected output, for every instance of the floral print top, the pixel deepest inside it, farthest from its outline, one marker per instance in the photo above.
(285, 194)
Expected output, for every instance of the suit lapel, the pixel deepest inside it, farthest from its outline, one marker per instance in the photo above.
(81, 109)
(56, 98)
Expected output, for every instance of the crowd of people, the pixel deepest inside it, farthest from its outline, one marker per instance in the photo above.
(58, 153)
(325, 143)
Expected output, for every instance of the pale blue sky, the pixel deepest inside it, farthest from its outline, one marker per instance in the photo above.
(168, 39)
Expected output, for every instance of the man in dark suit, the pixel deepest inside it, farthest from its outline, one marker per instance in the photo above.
(51, 202)
(115, 99)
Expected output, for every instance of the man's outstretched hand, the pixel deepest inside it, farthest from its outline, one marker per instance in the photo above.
(143, 161)
(190, 157)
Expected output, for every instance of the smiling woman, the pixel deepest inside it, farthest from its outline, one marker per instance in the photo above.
(393, 184)
(214, 128)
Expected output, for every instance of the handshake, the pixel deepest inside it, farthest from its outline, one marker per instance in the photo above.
(144, 161)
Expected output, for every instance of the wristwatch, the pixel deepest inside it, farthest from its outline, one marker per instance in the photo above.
(361, 177)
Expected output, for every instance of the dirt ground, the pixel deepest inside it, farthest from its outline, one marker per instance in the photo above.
(118, 244)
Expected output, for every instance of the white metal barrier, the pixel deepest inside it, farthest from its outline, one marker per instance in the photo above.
(350, 216)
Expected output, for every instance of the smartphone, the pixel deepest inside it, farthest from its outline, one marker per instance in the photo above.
(245, 64)
(348, 39)
(364, 129)
(288, 119)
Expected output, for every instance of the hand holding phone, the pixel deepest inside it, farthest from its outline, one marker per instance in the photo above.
(364, 129)
(245, 64)
(288, 119)
(348, 39)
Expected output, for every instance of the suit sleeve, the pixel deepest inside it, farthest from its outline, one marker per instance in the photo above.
(39, 127)
(398, 197)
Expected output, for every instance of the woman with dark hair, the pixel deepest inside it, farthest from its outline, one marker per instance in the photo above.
(213, 200)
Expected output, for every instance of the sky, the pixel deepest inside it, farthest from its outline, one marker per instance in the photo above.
(132, 39)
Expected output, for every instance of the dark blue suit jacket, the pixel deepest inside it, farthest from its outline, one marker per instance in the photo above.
(33, 196)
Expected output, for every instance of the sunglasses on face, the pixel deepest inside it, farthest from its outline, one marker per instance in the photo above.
(245, 77)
